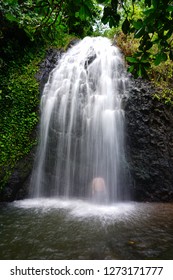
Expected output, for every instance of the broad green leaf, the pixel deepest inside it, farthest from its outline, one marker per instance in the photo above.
(131, 68)
(77, 14)
(105, 19)
(140, 33)
(116, 19)
(160, 57)
(10, 17)
(138, 24)
(82, 13)
(139, 71)
(114, 4)
(125, 26)
(149, 12)
(89, 5)
(107, 11)
(170, 8)
(132, 59)
(112, 22)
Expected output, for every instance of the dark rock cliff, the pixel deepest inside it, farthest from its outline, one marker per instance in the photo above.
(149, 140)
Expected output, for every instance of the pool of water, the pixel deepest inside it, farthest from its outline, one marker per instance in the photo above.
(74, 229)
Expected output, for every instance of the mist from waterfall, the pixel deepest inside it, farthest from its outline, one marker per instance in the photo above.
(82, 124)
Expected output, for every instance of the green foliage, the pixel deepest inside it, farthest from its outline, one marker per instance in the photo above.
(160, 75)
(151, 22)
(19, 99)
(46, 18)
(165, 96)
(81, 16)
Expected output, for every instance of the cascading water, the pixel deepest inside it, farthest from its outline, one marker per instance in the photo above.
(82, 124)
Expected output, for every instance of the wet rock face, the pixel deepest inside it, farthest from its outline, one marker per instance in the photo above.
(52, 58)
(149, 140)
(50, 61)
(18, 184)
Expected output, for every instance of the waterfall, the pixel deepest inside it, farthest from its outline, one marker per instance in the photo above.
(82, 124)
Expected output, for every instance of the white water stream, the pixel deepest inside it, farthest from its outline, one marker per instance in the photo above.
(82, 124)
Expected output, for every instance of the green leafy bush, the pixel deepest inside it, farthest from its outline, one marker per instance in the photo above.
(150, 21)
(19, 99)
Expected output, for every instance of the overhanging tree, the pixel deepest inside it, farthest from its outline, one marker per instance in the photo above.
(153, 29)
(46, 17)
(153, 26)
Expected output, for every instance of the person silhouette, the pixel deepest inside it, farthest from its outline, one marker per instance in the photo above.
(98, 190)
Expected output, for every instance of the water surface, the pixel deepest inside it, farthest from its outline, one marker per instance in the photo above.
(75, 229)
